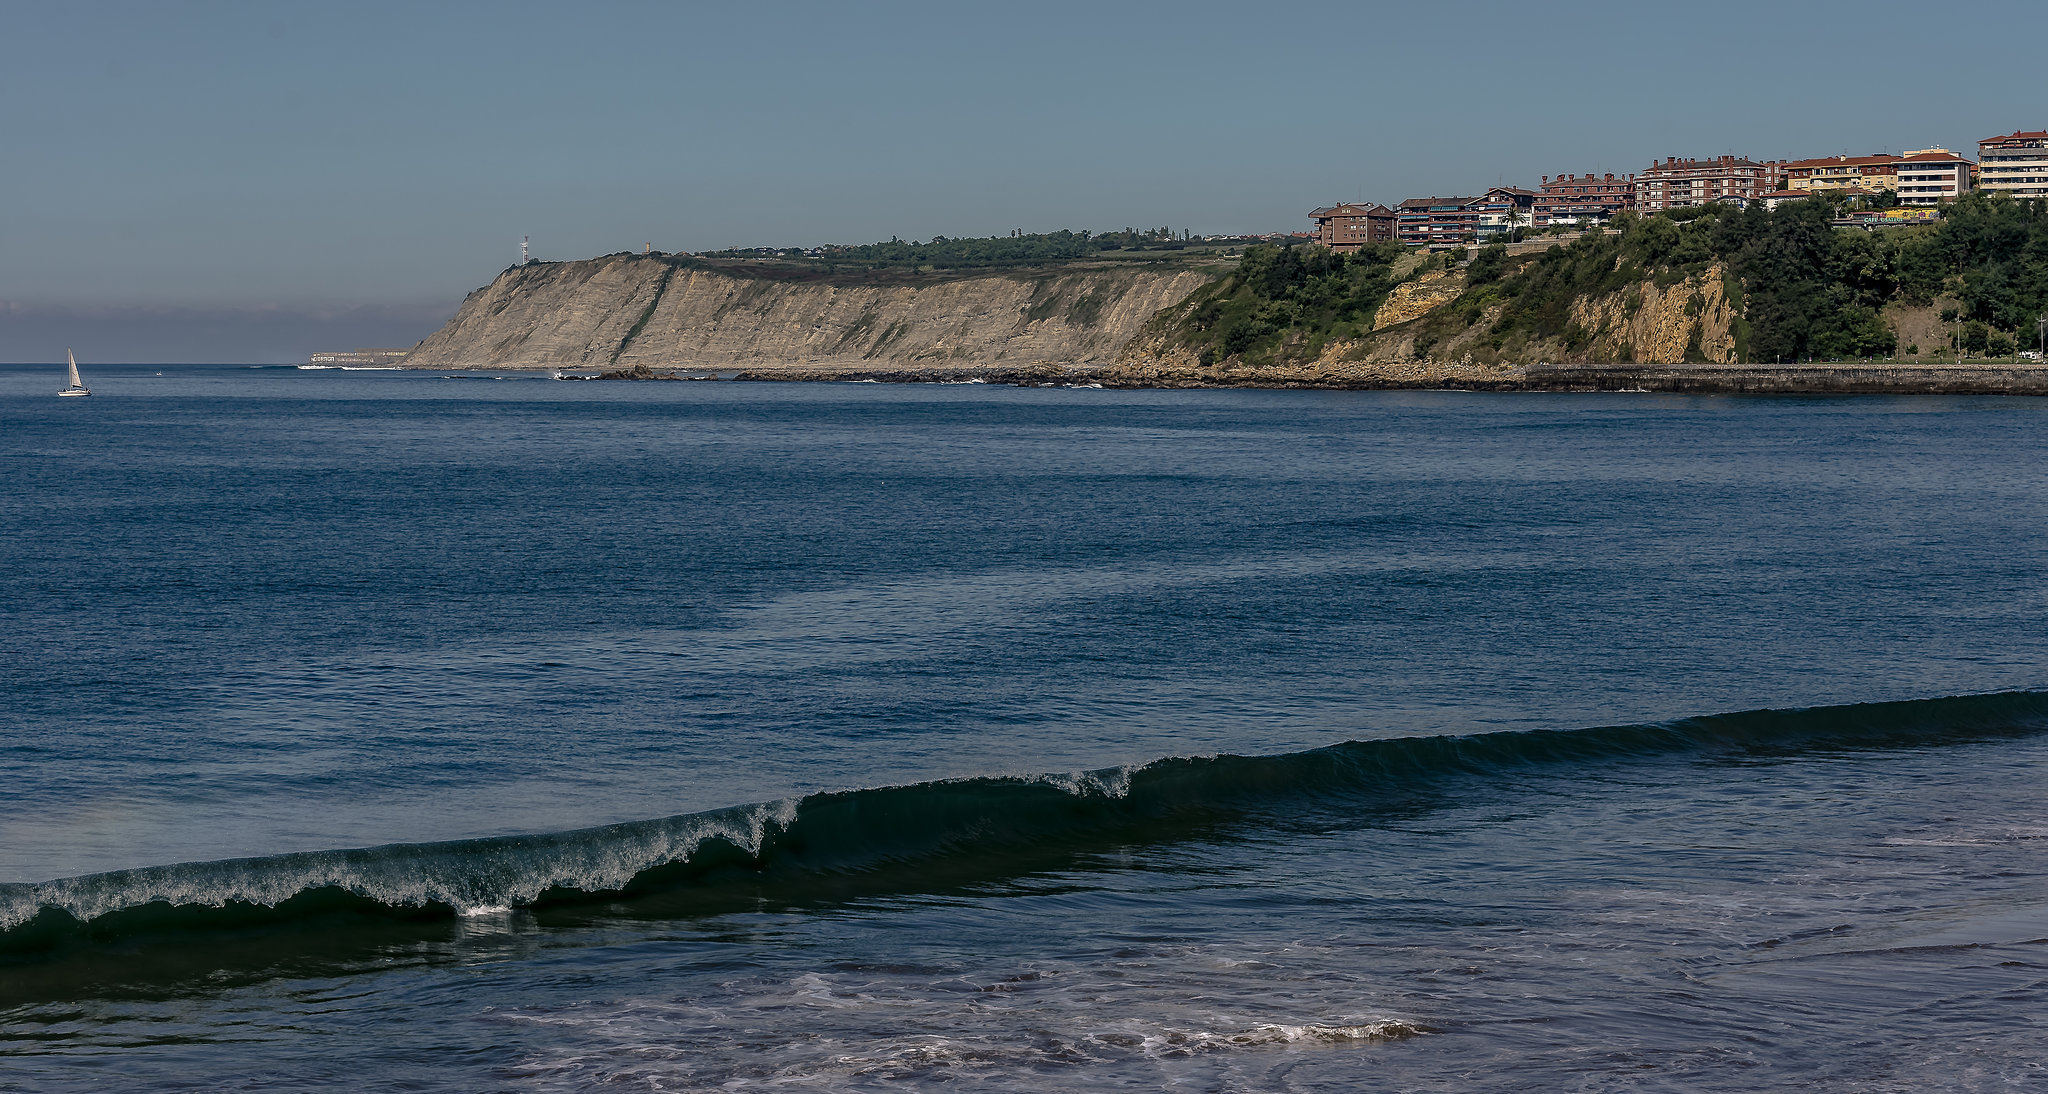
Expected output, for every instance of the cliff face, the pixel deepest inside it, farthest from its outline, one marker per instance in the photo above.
(1415, 299)
(546, 315)
(627, 310)
(1690, 321)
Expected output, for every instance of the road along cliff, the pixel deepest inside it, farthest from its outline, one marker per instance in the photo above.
(673, 312)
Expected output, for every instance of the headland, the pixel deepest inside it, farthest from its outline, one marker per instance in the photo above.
(1704, 299)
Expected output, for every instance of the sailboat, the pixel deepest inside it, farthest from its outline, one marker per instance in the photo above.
(77, 385)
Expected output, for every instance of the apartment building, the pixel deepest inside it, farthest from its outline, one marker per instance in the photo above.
(1874, 172)
(1350, 226)
(1930, 176)
(1582, 199)
(2015, 164)
(1503, 209)
(1673, 183)
(1437, 222)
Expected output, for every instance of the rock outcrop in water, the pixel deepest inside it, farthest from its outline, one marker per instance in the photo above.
(661, 311)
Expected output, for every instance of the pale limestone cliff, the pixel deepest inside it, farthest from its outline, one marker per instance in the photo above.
(546, 315)
(1417, 298)
(1692, 320)
(628, 310)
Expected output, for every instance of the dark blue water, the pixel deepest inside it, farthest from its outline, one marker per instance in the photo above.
(1239, 740)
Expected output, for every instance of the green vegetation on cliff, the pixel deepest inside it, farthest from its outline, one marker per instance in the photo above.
(1809, 290)
(1286, 303)
(941, 253)
(1805, 289)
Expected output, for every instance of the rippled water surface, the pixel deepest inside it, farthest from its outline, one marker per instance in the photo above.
(1238, 740)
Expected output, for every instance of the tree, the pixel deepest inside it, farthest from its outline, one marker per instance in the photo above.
(1975, 338)
(1488, 265)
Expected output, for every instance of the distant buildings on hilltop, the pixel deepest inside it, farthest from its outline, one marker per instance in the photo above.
(1569, 200)
(1350, 226)
(2015, 164)
(1673, 183)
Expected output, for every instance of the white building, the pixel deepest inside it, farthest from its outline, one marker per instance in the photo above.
(2015, 164)
(1929, 176)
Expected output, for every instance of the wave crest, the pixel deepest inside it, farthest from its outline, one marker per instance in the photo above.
(920, 825)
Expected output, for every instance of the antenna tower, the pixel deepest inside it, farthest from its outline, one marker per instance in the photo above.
(524, 256)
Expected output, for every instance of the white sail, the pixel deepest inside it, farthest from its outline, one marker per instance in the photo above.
(77, 385)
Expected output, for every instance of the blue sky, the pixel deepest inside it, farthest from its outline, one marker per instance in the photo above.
(201, 173)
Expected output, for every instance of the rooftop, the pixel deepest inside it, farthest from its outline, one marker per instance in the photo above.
(1674, 163)
(1879, 159)
(1351, 209)
(1934, 157)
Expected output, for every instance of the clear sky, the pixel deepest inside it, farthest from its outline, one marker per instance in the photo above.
(254, 181)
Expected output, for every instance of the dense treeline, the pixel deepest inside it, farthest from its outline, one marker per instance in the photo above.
(1290, 300)
(1037, 249)
(1807, 290)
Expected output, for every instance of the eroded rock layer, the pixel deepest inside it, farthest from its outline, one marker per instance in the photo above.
(627, 310)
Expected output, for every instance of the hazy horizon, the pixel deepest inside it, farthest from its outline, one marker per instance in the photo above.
(240, 182)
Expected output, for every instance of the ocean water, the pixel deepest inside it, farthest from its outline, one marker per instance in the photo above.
(366, 729)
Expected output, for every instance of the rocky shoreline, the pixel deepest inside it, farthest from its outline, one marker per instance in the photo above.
(1827, 379)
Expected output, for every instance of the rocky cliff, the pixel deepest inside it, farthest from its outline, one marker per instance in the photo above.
(668, 312)
(1437, 330)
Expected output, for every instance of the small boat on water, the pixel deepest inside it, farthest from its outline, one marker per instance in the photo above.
(77, 385)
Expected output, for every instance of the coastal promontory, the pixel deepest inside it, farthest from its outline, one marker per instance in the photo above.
(675, 311)
(1710, 298)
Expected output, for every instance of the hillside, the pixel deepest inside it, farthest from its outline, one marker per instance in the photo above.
(1707, 286)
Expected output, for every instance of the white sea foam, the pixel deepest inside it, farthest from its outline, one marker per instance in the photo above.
(635, 1044)
(474, 877)
(1112, 782)
(1187, 1042)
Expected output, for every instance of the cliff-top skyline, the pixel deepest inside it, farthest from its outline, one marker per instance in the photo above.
(243, 181)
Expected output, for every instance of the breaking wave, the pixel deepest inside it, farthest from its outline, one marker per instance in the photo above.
(925, 827)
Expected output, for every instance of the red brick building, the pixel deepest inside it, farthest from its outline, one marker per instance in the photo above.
(1582, 199)
(1438, 222)
(1673, 183)
(1350, 226)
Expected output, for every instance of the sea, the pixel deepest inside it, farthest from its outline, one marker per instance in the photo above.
(406, 730)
